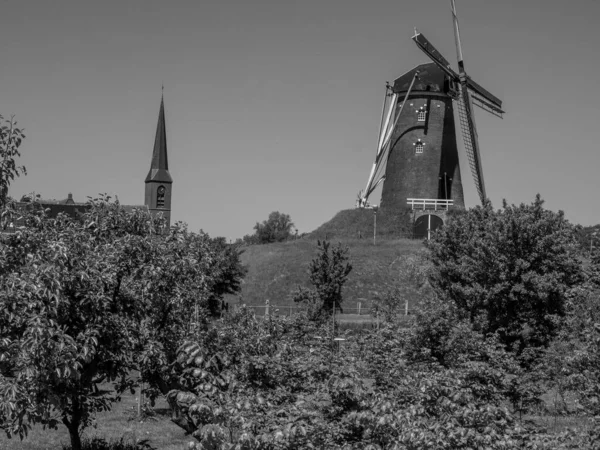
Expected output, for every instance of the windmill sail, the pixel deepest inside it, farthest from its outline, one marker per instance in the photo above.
(471, 93)
(384, 142)
(470, 140)
(465, 112)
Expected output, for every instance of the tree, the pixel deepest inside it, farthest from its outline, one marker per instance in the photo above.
(508, 270)
(329, 271)
(88, 300)
(277, 228)
(188, 276)
(10, 140)
(228, 272)
(69, 313)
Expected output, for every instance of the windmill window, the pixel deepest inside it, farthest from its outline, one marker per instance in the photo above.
(419, 146)
(421, 115)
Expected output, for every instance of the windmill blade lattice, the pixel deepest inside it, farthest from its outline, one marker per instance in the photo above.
(470, 140)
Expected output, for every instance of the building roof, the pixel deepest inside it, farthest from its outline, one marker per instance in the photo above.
(54, 207)
(67, 201)
(159, 167)
(431, 78)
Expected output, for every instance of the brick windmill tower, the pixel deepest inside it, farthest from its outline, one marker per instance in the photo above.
(417, 154)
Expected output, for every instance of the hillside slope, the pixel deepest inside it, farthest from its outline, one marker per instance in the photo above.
(352, 223)
(275, 270)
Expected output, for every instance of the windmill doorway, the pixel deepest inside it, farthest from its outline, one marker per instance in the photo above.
(425, 224)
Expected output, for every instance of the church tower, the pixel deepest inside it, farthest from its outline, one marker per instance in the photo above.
(159, 182)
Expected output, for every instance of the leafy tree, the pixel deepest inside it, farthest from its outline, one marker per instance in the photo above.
(189, 275)
(589, 238)
(277, 228)
(228, 272)
(508, 271)
(68, 316)
(328, 272)
(10, 140)
(88, 300)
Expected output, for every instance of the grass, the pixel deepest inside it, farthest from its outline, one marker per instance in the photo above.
(275, 270)
(111, 425)
(352, 223)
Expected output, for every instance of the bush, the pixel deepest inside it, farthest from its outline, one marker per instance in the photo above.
(255, 384)
(328, 272)
(508, 270)
(277, 228)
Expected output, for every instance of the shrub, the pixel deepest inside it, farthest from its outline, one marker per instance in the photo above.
(277, 228)
(328, 272)
(508, 270)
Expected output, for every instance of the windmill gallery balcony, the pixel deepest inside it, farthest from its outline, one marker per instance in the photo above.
(429, 204)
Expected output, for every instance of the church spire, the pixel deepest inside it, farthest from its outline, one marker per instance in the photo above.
(159, 184)
(159, 167)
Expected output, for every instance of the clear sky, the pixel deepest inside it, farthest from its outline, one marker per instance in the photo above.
(275, 104)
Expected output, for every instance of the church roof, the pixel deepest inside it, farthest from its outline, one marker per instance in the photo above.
(159, 167)
(431, 78)
(54, 207)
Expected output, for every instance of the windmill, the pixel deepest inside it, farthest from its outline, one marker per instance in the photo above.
(417, 156)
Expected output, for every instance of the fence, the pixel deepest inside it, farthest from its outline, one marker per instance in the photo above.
(288, 310)
(429, 204)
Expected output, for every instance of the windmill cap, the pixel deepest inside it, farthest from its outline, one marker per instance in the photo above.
(430, 78)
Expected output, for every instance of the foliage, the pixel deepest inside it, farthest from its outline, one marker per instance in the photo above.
(184, 287)
(508, 271)
(571, 364)
(84, 301)
(589, 238)
(68, 316)
(328, 272)
(228, 273)
(390, 303)
(277, 228)
(272, 385)
(11, 138)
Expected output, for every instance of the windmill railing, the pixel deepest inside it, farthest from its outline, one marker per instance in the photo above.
(433, 204)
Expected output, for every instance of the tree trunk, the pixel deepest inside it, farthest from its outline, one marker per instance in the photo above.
(73, 423)
(73, 427)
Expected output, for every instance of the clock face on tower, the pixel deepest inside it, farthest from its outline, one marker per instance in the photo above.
(161, 190)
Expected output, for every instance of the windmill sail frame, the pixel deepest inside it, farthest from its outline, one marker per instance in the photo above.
(470, 93)
(471, 141)
(385, 134)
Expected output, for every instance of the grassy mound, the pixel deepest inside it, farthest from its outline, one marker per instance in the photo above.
(356, 223)
(275, 270)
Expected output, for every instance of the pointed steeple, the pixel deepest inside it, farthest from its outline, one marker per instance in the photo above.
(159, 168)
